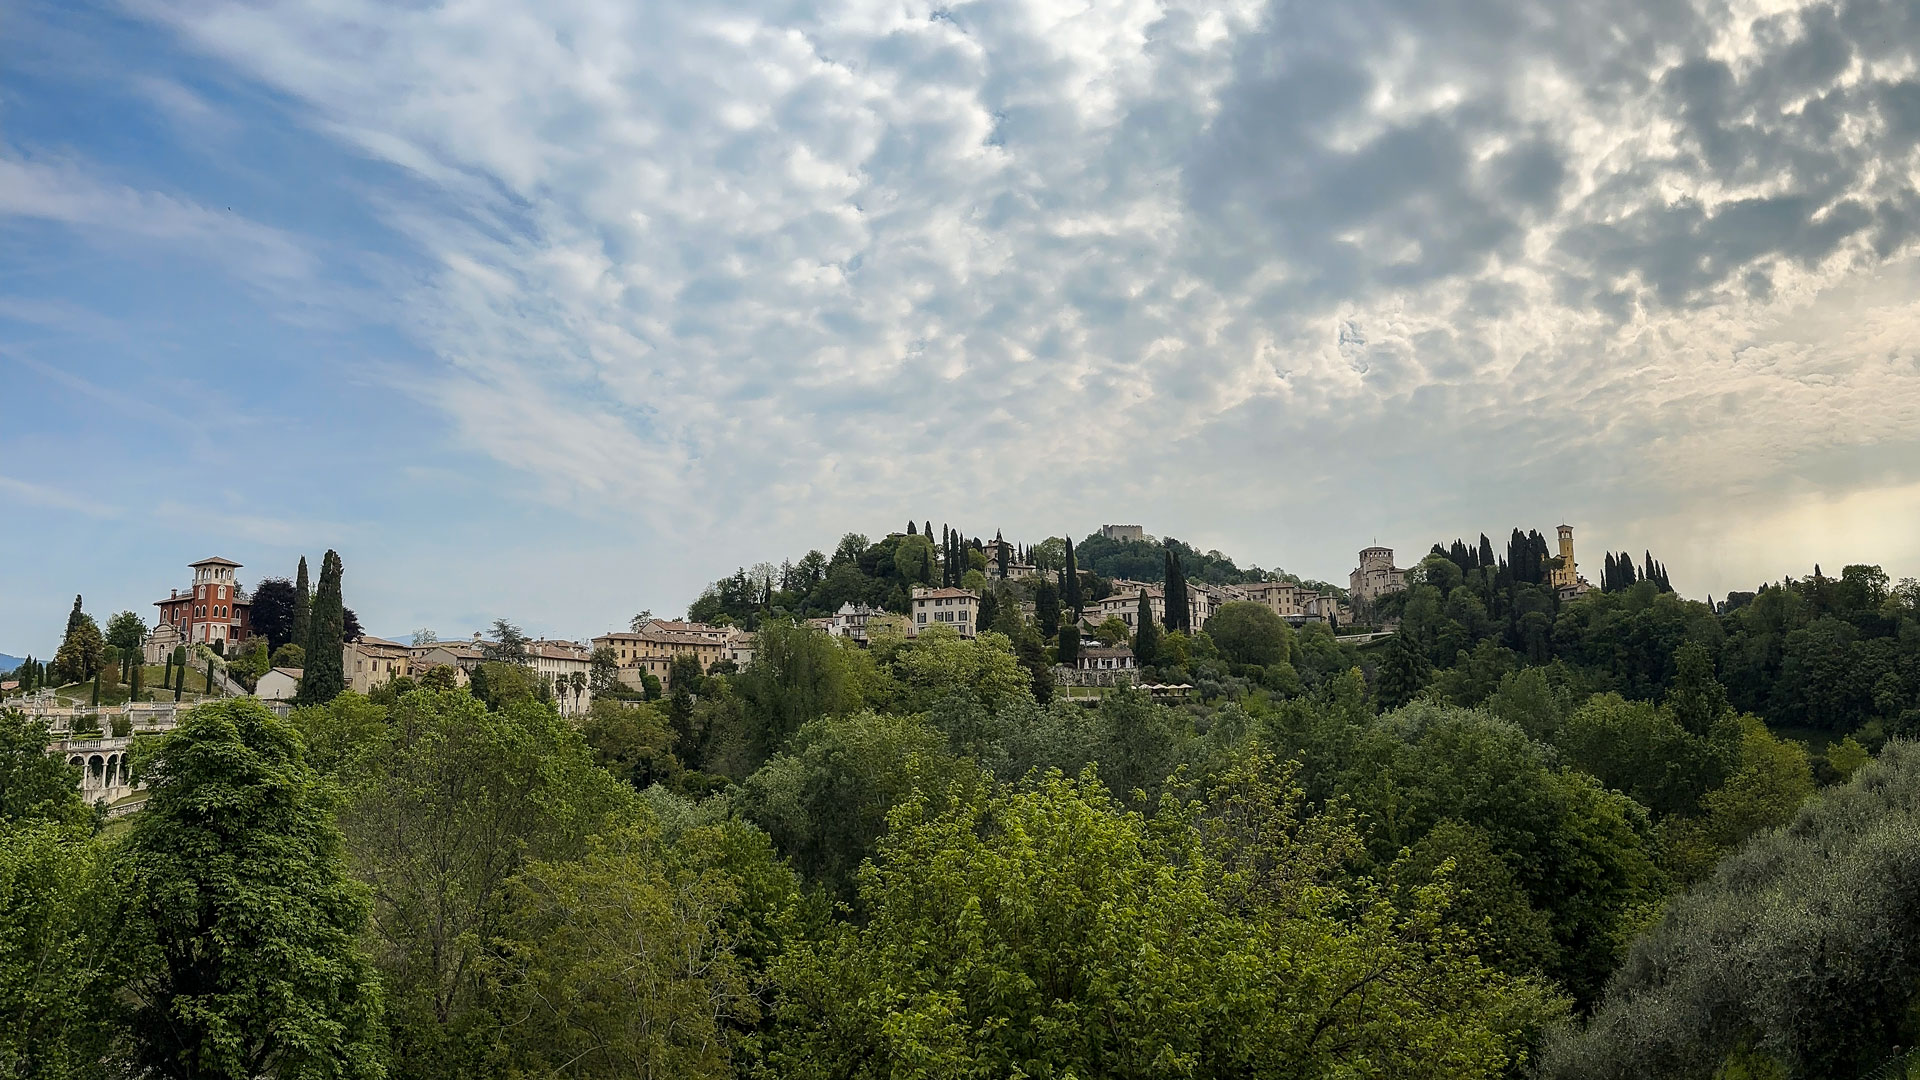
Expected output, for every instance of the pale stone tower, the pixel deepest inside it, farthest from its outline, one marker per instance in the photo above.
(1567, 575)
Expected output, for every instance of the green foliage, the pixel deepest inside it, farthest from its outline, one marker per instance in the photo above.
(1801, 949)
(126, 633)
(1404, 671)
(324, 676)
(1146, 633)
(83, 650)
(34, 785)
(300, 628)
(439, 813)
(239, 920)
(631, 741)
(622, 964)
(938, 663)
(289, 655)
(56, 957)
(1049, 932)
(825, 801)
(913, 560)
(1250, 633)
(1642, 750)
(499, 684)
(797, 674)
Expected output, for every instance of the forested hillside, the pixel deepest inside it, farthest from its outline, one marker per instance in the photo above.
(1519, 835)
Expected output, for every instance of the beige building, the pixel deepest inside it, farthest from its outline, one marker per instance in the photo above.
(651, 649)
(372, 661)
(1123, 532)
(1375, 577)
(280, 684)
(556, 663)
(956, 609)
(1202, 602)
(461, 656)
(1295, 603)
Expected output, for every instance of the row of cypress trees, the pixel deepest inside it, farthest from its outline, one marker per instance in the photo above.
(319, 626)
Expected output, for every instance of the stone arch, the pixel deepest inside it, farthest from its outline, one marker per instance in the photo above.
(96, 770)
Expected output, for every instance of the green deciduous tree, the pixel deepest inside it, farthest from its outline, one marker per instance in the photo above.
(622, 965)
(1049, 932)
(797, 675)
(126, 633)
(1249, 633)
(441, 810)
(56, 959)
(1802, 950)
(825, 800)
(35, 785)
(240, 921)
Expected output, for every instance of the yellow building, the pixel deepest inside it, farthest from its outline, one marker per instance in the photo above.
(651, 649)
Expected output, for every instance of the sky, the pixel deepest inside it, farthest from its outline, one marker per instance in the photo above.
(555, 310)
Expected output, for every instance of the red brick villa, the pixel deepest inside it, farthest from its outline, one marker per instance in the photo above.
(214, 610)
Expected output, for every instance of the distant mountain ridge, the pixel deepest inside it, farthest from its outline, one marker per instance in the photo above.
(8, 663)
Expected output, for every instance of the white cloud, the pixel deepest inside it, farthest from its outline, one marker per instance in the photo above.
(1329, 261)
(66, 194)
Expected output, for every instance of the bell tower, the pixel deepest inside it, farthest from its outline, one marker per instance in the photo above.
(1567, 573)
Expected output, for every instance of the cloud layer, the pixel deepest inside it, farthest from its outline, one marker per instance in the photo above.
(751, 260)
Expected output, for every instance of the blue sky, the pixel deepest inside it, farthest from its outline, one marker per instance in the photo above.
(555, 311)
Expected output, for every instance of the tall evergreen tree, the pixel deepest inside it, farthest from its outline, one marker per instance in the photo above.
(912, 529)
(1070, 585)
(1486, 552)
(1000, 553)
(1404, 671)
(1146, 633)
(1179, 613)
(83, 650)
(302, 629)
(323, 678)
(1046, 607)
(1068, 650)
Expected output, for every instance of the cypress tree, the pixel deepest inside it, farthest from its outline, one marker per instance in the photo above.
(1486, 552)
(989, 610)
(133, 683)
(928, 531)
(1146, 633)
(1046, 607)
(1069, 648)
(912, 529)
(1070, 585)
(1000, 553)
(209, 676)
(324, 679)
(96, 687)
(179, 683)
(302, 607)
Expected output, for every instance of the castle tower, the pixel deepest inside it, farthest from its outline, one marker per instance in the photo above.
(1567, 574)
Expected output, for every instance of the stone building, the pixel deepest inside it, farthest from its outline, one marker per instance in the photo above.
(956, 609)
(651, 649)
(372, 661)
(1375, 577)
(1123, 532)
